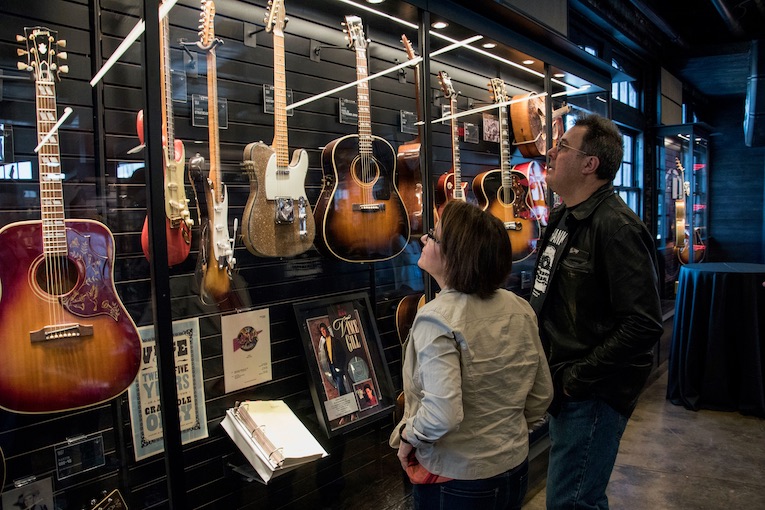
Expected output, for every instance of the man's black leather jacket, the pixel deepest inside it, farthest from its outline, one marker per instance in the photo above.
(602, 314)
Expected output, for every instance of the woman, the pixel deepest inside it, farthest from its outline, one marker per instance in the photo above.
(474, 372)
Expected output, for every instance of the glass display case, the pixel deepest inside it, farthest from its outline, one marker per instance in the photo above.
(683, 176)
(172, 189)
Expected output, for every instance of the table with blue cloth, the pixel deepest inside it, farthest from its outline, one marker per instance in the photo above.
(717, 356)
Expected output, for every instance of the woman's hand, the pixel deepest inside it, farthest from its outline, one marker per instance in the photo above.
(404, 451)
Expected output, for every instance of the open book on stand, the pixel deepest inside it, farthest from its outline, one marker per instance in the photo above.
(271, 437)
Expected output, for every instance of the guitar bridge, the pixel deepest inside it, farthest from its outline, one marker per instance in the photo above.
(369, 208)
(284, 211)
(60, 331)
(303, 225)
(514, 226)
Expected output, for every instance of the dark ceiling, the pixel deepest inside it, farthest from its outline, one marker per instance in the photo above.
(709, 41)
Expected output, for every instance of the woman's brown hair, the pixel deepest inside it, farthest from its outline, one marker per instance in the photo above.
(476, 249)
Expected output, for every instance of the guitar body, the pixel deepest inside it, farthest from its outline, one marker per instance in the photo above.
(406, 310)
(410, 183)
(212, 271)
(512, 207)
(445, 192)
(85, 366)
(360, 215)
(699, 249)
(178, 241)
(261, 232)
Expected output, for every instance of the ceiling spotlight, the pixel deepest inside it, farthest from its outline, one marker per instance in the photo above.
(559, 75)
(375, 1)
(528, 62)
(489, 45)
(438, 25)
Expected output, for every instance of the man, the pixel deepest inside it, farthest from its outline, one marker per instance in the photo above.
(596, 295)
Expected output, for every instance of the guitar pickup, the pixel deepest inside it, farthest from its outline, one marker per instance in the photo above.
(370, 208)
(514, 226)
(284, 210)
(59, 332)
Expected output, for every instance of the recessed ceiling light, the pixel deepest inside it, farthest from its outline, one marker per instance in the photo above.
(559, 75)
(489, 45)
(438, 25)
(375, 1)
(528, 62)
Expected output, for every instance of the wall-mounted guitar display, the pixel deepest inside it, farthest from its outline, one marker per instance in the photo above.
(216, 249)
(277, 219)
(178, 221)
(360, 214)
(65, 337)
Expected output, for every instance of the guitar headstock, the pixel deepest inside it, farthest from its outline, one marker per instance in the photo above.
(275, 16)
(207, 25)
(42, 53)
(446, 84)
(408, 47)
(498, 90)
(354, 33)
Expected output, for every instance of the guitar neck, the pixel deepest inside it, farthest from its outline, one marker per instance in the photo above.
(167, 107)
(51, 176)
(362, 93)
(281, 143)
(458, 192)
(504, 148)
(212, 125)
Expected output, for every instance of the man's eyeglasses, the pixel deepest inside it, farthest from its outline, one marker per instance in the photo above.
(432, 235)
(565, 146)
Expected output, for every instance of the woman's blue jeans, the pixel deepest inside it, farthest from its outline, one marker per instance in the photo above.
(502, 492)
(584, 438)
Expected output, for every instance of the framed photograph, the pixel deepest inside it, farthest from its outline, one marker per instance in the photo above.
(348, 374)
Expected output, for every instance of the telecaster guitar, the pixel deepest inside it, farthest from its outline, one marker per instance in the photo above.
(277, 220)
(450, 186)
(178, 221)
(65, 337)
(360, 214)
(216, 253)
(505, 192)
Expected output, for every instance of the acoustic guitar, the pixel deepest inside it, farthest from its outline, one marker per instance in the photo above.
(277, 219)
(216, 249)
(360, 216)
(504, 192)
(450, 186)
(409, 173)
(530, 124)
(66, 340)
(178, 221)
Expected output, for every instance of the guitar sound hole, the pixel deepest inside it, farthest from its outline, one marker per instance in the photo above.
(56, 275)
(365, 171)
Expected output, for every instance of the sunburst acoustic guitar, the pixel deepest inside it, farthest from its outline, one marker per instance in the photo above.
(360, 216)
(505, 192)
(66, 340)
(277, 219)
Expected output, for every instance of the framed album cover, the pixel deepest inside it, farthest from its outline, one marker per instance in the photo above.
(348, 375)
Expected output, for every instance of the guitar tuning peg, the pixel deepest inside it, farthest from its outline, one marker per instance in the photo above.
(23, 66)
(63, 69)
(63, 55)
(20, 38)
(61, 43)
(21, 52)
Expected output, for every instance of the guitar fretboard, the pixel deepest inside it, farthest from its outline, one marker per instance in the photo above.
(51, 191)
(212, 124)
(362, 93)
(281, 142)
(458, 191)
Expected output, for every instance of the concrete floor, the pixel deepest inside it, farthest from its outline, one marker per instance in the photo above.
(673, 458)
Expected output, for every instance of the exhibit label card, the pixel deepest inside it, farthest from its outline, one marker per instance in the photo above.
(143, 394)
(246, 349)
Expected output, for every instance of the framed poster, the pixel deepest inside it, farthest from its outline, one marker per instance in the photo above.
(348, 375)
